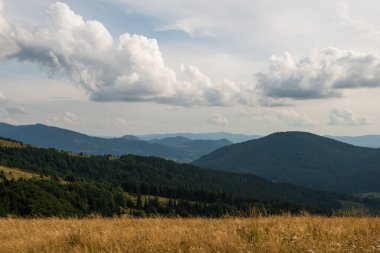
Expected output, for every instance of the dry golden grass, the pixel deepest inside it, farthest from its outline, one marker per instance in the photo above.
(11, 144)
(265, 234)
(16, 174)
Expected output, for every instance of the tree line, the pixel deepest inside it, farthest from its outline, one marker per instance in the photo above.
(97, 184)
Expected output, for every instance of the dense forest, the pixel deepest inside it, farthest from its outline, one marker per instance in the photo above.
(82, 185)
(49, 198)
(303, 159)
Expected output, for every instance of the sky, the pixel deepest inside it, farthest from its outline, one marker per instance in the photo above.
(116, 67)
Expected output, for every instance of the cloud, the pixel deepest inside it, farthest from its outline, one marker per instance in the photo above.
(321, 75)
(292, 118)
(3, 98)
(15, 110)
(52, 120)
(354, 26)
(120, 121)
(7, 107)
(196, 21)
(194, 28)
(218, 120)
(70, 117)
(343, 117)
(7, 45)
(130, 68)
(277, 117)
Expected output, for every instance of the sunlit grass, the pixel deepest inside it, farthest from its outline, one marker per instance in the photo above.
(264, 234)
(11, 144)
(16, 174)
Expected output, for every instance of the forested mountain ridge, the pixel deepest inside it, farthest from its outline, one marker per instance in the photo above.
(209, 192)
(53, 137)
(303, 159)
(196, 148)
(171, 141)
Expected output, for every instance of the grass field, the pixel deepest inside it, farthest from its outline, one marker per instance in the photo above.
(16, 174)
(264, 234)
(11, 144)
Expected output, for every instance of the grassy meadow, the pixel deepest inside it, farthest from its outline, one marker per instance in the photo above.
(11, 144)
(16, 174)
(263, 234)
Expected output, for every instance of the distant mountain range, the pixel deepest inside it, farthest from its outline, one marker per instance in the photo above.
(297, 158)
(62, 139)
(303, 159)
(370, 141)
(235, 138)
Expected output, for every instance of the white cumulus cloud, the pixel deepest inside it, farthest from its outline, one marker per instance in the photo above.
(344, 117)
(292, 118)
(7, 44)
(70, 117)
(219, 120)
(321, 75)
(129, 68)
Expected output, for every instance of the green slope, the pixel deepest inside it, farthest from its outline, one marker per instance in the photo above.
(302, 159)
(156, 176)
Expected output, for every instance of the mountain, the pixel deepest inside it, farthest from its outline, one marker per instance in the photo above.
(47, 136)
(62, 139)
(130, 138)
(171, 141)
(149, 176)
(303, 159)
(235, 138)
(196, 148)
(200, 147)
(371, 141)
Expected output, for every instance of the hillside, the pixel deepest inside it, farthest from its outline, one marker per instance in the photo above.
(16, 174)
(302, 159)
(46, 136)
(171, 141)
(209, 192)
(195, 148)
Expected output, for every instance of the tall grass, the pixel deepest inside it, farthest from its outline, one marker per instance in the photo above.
(263, 234)
(16, 174)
